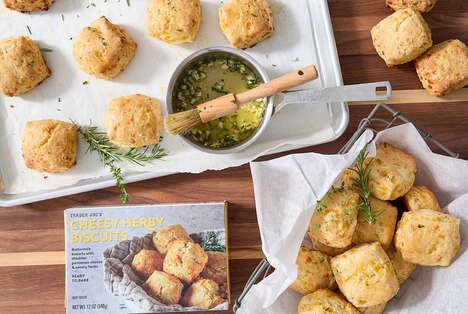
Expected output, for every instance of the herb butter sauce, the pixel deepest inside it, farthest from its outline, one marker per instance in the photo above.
(211, 78)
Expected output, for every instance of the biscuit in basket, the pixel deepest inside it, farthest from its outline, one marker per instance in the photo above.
(173, 21)
(384, 227)
(313, 272)
(103, 49)
(422, 6)
(365, 275)
(185, 260)
(203, 293)
(49, 145)
(166, 236)
(420, 197)
(428, 237)
(164, 287)
(335, 218)
(22, 66)
(325, 301)
(403, 269)
(376, 309)
(444, 67)
(146, 262)
(216, 269)
(134, 121)
(246, 22)
(392, 173)
(401, 37)
(330, 251)
(28, 5)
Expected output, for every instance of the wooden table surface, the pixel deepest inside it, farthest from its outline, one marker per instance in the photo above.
(38, 227)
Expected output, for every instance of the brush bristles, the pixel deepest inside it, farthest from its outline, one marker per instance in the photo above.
(181, 122)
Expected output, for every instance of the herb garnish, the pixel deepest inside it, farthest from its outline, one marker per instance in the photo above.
(420, 226)
(29, 29)
(85, 82)
(110, 154)
(211, 243)
(362, 185)
(46, 50)
(322, 204)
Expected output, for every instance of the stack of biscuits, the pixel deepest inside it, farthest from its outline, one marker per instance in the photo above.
(405, 36)
(355, 263)
(180, 271)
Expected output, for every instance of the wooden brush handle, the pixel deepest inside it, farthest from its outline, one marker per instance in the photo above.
(225, 105)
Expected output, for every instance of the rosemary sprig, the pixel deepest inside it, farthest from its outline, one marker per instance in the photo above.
(362, 185)
(110, 154)
(322, 204)
(211, 243)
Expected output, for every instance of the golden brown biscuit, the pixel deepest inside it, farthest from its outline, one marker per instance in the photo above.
(401, 37)
(335, 218)
(384, 227)
(216, 269)
(376, 309)
(134, 121)
(422, 6)
(166, 236)
(324, 301)
(164, 287)
(28, 5)
(22, 66)
(146, 262)
(403, 269)
(173, 21)
(428, 237)
(103, 49)
(420, 197)
(246, 22)
(49, 145)
(185, 260)
(313, 272)
(444, 67)
(365, 275)
(203, 293)
(392, 173)
(330, 251)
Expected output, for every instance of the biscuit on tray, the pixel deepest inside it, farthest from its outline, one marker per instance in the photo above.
(203, 293)
(444, 67)
(173, 21)
(365, 275)
(134, 121)
(422, 6)
(420, 197)
(164, 237)
(103, 49)
(313, 272)
(401, 37)
(335, 218)
(164, 287)
(325, 301)
(384, 227)
(185, 260)
(146, 262)
(428, 237)
(246, 22)
(28, 5)
(22, 66)
(49, 145)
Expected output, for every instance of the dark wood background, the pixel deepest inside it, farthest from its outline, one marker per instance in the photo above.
(38, 227)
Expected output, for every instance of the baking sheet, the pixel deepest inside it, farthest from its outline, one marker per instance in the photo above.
(64, 96)
(284, 211)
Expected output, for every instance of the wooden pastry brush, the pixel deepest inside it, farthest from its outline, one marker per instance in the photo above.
(181, 122)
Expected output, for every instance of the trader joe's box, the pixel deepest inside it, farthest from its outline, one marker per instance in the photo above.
(104, 276)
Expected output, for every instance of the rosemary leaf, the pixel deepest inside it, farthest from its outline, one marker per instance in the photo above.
(322, 204)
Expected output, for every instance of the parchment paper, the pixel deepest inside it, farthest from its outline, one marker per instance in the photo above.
(286, 191)
(63, 95)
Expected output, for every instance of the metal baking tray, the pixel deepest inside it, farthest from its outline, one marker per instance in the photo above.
(330, 75)
(375, 124)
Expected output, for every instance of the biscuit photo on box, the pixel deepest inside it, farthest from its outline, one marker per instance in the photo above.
(164, 237)
(103, 49)
(173, 21)
(444, 67)
(401, 37)
(246, 22)
(22, 66)
(28, 5)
